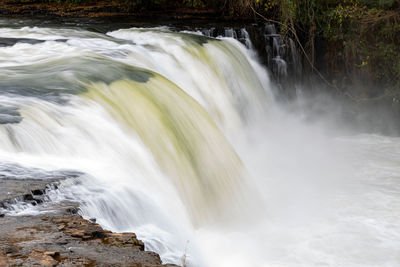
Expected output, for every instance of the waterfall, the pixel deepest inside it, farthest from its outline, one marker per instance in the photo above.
(183, 139)
(278, 52)
(134, 113)
(176, 136)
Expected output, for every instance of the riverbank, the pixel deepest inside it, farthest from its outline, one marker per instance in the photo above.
(97, 9)
(61, 237)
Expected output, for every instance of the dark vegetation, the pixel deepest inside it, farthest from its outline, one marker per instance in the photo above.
(353, 46)
(355, 43)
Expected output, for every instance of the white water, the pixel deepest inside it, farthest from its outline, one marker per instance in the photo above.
(182, 143)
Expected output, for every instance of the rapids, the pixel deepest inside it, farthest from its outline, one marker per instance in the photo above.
(177, 137)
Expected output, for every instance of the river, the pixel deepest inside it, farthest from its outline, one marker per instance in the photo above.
(178, 138)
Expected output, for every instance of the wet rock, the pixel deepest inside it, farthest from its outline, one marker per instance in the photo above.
(69, 240)
(53, 254)
(41, 256)
(38, 192)
(22, 188)
(72, 210)
(61, 238)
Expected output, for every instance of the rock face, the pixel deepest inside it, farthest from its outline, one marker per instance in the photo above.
(68, 240)
(62, 238)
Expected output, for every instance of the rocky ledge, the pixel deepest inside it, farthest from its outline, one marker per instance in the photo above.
(63, 238)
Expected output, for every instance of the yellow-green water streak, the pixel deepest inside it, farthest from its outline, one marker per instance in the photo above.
(184, 140)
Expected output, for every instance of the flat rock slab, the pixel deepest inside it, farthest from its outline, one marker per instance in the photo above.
(62, 237)
(68, 240)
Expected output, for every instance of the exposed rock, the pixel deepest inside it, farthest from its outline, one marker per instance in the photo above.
(22, 188)
(42, 257)
(61, 238)
(68, 240)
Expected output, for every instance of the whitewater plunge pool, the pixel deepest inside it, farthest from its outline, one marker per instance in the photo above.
(177, 137)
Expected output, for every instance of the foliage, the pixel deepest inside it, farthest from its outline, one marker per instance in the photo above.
(225, 7)
(365, 34)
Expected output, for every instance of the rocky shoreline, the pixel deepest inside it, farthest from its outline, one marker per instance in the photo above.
(61, 237)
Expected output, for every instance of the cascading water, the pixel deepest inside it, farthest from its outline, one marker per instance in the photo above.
(177, 138)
